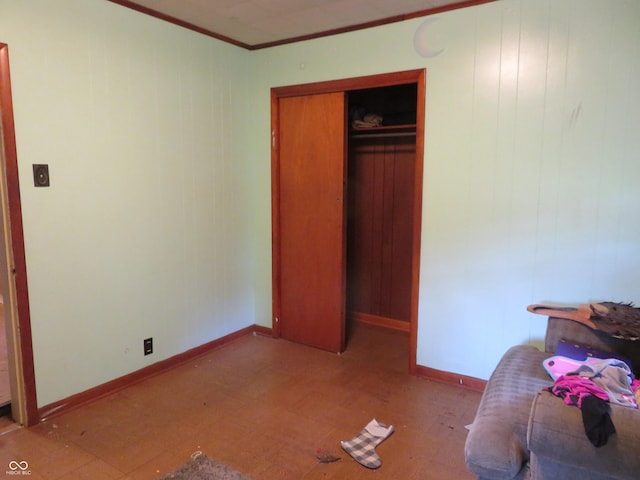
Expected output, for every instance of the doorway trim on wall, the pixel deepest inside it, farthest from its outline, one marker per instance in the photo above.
(418, 77)
(14, 275)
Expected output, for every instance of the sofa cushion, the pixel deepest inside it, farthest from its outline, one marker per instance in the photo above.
(496, 446)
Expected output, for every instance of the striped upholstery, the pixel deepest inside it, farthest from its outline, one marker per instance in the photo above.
(496, 446)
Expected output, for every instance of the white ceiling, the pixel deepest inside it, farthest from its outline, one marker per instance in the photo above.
(260, 23)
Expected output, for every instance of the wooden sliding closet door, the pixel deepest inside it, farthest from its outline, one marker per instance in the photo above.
(311, 227)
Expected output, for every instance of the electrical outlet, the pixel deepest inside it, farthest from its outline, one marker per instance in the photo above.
(41, 175)
(148, 346)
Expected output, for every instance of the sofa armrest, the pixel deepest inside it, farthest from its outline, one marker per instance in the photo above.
(556, 433)
(493, 451)
(496, 445)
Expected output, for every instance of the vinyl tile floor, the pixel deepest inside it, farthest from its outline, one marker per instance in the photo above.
(264, 407)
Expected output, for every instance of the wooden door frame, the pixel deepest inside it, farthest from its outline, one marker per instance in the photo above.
(17, 305)
(344, 85)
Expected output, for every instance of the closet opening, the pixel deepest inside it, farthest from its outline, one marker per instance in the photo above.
(381, 174)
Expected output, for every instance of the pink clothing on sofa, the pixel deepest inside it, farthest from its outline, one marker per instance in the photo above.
(573, 388)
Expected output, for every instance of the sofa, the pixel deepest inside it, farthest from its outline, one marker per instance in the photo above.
(522, 431)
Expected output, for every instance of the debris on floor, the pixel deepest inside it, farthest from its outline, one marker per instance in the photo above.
(324, 456)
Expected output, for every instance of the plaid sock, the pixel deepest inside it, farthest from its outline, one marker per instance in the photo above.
(362, 447)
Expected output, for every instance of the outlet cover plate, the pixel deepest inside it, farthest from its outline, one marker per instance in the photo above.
(41, 175)
(148, 346)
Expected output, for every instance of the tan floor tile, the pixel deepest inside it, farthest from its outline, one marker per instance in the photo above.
(264, 407)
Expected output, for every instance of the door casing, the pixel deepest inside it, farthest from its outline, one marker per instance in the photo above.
(13, 268)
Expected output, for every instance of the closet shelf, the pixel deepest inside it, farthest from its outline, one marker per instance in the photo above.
(384, 131)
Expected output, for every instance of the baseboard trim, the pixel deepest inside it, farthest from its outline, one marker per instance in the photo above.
(379, 321)
(264, 331)
(113, 386)
(118, 384)
(441, 376)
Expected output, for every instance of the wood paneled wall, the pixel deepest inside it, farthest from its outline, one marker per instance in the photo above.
(381, 178)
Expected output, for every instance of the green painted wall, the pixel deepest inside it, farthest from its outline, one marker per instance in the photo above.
(531, 164)
(144, 231)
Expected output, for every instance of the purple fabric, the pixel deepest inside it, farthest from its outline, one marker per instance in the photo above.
(573, 388)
